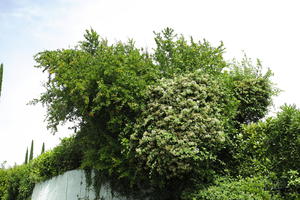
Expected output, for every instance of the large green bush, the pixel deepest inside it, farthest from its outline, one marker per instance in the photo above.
(182, 126)
(272, 148)
(250, 149)
(284, 139)
(17, 183)
(283, 149)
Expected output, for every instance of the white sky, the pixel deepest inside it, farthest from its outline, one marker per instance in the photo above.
(264, 29)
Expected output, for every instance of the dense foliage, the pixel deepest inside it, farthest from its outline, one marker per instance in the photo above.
(272, 148)
(180, 122)
(182, 127)
(176, 55)
(16, 183)
(66, 156)
(284, 140)
(104, 87)
(252, 88)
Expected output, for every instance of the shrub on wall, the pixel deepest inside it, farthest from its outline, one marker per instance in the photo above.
(66, 156)
(17, 183)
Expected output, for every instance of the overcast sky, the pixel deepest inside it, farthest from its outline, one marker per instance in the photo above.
(264, 29)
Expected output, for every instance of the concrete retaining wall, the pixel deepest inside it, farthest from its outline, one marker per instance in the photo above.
(72, 186)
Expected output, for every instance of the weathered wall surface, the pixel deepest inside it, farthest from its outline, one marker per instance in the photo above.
(71, 186)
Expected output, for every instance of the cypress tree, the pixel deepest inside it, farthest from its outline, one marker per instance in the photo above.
(1, 75)
(43, 148)
(26, 156)
(31, 151)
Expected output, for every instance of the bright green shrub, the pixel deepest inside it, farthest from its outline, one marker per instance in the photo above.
(3, 183)
(284, 140)
(293, 185)
(175, 55)
(66, 156)
(182, 126)
(252, 88)
(250, 149)
(283, 150)
(44, 167)
(16, 183)
(272, 148)
(26, 184)
(234, 189)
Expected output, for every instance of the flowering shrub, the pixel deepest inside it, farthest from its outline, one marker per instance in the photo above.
(182, 126)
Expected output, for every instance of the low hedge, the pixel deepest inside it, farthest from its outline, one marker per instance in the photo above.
(17, 183)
